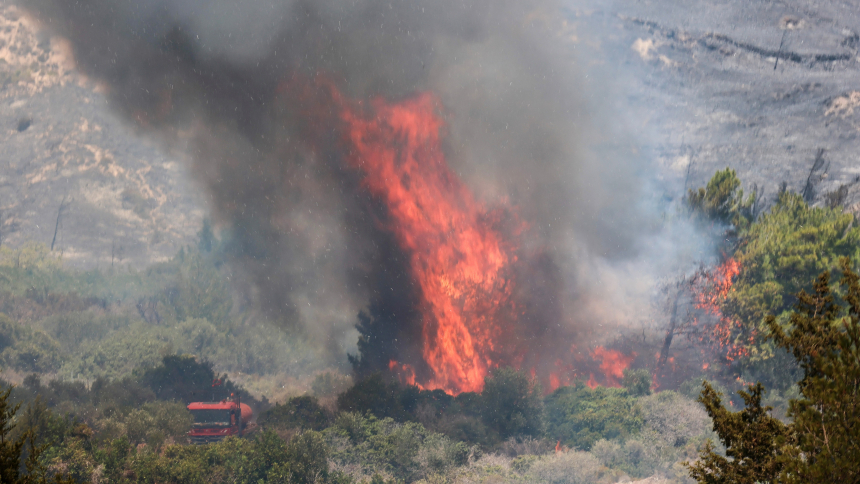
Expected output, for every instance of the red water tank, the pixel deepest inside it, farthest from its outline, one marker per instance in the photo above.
(247, 413)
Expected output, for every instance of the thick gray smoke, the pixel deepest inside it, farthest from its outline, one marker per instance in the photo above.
(208, 76)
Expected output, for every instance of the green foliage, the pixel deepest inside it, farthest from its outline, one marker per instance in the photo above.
(752, 437)
(780, 255)
(21, 451)
(512, 403)
(375, 395)
(299, 412)
(10, 449)
(722, 200)
(206, 240)
(637, 382)
(579, 416)
(406, 451)
(784, 252)
(196, 291)
(307, 454)
(32, 351)
(186, 379)
(825, 339)
(821, 442)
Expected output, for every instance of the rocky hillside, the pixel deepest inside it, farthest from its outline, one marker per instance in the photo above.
(118, 196)
(770, 88)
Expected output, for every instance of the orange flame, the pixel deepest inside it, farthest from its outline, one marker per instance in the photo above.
(612, 363)
(710, 298)
(461, 263)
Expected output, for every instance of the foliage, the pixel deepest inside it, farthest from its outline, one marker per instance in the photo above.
(406, 451)
(299, 412)
(307, 454)
(579, 416)
(722, 200)
(821, 442)
(10, 449)
(825, 339)
(752, 437)
(637, 382)
(780, 255)
(512, 404)
(375, 395)
(566, 468)
(21, 451)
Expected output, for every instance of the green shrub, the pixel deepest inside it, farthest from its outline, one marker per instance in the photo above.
(637, 382)
(579, 416)
(512, 404)
(307, 455)
(299, 412)
(33, 351)
(722, 200)
(566, 468)
(374, 395)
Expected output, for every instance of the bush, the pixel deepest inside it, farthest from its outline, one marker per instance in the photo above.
(637, 382)
(512, 404)
(299, 412)
(676, 419)
(579, 416)
(374, 395)
(566, 468)
(307, 455)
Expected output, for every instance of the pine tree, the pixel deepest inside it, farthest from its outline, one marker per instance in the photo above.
(10, 449)
(826, 421)
(822, 443)
(752, 437)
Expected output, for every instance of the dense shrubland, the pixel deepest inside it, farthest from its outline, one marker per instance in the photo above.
(104, 361)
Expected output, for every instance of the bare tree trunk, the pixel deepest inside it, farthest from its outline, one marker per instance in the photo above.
(57, 225)
(670, 333)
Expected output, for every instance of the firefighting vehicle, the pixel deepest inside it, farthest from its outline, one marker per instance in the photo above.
(214, 421)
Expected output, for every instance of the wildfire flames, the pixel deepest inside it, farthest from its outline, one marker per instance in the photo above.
(461, 253)
(460, 262)
(710, 293)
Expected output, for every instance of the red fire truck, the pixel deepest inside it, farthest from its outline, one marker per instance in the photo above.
(213, 421)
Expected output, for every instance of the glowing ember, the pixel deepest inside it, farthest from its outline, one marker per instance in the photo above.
(460, 262)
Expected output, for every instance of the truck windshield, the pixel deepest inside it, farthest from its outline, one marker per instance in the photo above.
(211, 417)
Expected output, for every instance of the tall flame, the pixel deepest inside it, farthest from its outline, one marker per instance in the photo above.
(710, 294)
(460, 262)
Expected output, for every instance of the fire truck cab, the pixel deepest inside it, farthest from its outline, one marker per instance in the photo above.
(213, 421)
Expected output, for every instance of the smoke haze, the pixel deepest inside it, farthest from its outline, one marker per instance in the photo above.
(209, 77)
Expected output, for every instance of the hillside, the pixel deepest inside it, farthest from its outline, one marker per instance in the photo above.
(759, 86)
(124, 200)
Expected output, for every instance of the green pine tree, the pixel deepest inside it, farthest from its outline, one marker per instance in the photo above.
(822, 442)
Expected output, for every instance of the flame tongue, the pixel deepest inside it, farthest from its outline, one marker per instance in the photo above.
(460, 262)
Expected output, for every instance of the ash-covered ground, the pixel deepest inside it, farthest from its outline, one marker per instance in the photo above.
(763, 87)
(123, 199)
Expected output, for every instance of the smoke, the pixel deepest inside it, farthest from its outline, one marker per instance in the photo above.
(232, 82)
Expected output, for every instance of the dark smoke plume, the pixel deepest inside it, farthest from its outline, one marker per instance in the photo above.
(209, 76)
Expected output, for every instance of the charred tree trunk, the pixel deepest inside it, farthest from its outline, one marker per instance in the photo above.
(670, 333)
(57, 225)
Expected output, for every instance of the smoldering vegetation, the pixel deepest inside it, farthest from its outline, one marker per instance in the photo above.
(216, 80)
